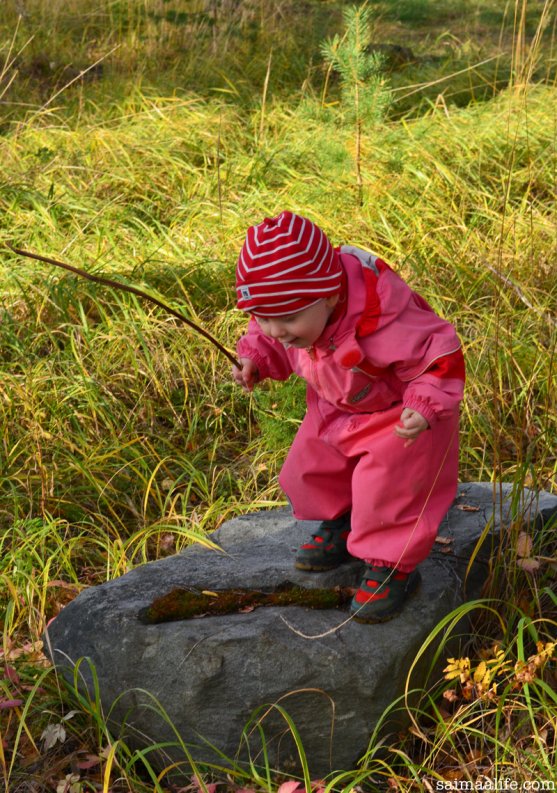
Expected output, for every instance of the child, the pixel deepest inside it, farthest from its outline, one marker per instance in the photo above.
(375, 459)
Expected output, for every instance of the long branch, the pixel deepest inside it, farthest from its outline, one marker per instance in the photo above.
(134, 291)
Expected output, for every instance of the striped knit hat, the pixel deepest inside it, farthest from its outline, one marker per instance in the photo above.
(286, 264)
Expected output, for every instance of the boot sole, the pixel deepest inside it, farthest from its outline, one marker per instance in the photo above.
(413, 586)
(316, 568)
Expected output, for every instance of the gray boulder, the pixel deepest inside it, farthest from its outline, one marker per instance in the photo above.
(195, 683)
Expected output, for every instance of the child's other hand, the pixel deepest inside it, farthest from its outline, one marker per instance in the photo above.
(247, 376)
(413, 424)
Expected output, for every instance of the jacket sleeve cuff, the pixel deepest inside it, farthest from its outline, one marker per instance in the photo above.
(422, 407)
(245, 351)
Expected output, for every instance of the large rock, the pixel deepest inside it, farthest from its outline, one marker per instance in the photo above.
(206, 676)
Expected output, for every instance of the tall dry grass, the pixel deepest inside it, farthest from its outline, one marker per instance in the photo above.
(123, 438)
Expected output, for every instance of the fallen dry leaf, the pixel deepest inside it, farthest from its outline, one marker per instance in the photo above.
(524, 545)
(90, 761)
(443, 540)
(467, 508)
(12, 653)
(37, 689)
(70, 784)
(290, 787)
(167, 541)
(11, 674)
(53, 734)
(454, 775)
(204, 787)
(474, 755)
(529, 565)
(6, 704)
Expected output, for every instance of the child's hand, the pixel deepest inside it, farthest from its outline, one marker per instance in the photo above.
(413, 424)
(247, 376)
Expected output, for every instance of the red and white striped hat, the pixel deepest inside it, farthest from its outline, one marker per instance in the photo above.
(286, 264)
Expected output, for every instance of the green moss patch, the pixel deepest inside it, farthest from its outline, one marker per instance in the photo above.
(185, 604)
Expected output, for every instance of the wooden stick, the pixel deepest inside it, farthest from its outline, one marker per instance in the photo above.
(134, 291)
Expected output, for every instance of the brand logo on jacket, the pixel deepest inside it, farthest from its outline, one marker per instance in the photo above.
(360, 395)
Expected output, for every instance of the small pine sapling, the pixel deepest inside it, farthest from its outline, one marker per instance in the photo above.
(364, 95)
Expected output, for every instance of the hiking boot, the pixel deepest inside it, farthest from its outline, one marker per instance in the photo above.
(327, 547)
(382, 593)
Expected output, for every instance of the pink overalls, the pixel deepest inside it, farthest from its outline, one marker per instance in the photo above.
(388, 351)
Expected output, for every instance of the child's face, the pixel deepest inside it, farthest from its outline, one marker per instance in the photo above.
(301, 329)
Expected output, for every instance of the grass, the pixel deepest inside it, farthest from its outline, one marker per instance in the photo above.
(122, 437)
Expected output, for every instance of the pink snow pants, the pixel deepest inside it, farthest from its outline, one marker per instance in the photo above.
(398, 495)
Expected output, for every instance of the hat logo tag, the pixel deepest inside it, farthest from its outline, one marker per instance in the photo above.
(244, 291)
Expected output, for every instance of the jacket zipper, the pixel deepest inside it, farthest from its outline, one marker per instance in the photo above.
(313, 368)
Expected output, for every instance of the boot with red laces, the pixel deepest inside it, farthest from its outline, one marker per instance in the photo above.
(382, 593)
(327, 546)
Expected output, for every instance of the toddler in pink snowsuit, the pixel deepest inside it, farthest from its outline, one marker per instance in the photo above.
(376, 457)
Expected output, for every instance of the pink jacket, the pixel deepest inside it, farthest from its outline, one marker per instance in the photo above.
(388, 347)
